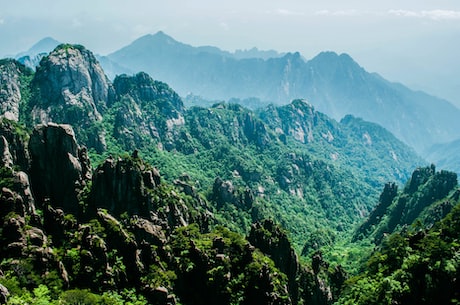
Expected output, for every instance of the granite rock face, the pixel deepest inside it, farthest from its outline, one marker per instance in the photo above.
(73, 89)
(11, 73)
(60, 167)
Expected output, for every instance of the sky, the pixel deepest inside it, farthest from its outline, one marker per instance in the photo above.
(413, 42)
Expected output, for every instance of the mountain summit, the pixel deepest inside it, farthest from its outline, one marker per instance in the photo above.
(336, 84)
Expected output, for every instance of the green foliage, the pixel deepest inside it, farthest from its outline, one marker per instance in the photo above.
(220, 267)
(6, 177)
(315, 176)
(412, 268)
(417, 203)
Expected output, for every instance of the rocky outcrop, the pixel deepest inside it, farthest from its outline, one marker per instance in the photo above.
(299, 120)
(316, 286)
(6, 158)
(150, 109)
(224, 192)
(390, 191)
(269, 238)
(123, 186)
(12, 74)
(60, 168)
(73, 89)
(14, 141)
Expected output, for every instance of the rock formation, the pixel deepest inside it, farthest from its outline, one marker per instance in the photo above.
(60, 167)
(11, 76)
(73, 89)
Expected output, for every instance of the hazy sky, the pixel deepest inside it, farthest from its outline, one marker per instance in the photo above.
(415, 42)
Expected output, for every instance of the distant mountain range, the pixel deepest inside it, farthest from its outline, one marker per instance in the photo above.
(31, 58)
(335, 84)
(229, 199)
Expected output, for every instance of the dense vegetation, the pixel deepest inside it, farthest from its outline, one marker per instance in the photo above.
(239, 194)
(415, 266)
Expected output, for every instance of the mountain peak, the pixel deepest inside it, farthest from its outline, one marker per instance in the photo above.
(333, 57)
(45, 45)
(158, 37)
(32, 57)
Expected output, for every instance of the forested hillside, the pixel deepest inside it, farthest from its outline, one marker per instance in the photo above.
(116, 192)
(335, 83)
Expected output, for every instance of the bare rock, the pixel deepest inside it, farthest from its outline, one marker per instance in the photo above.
(59, 170)
(4, 294)
(10, 88)
(73, 90)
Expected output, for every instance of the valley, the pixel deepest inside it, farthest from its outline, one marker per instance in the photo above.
(116, 190)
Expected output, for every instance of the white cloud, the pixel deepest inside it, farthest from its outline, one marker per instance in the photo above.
(432, 14)
(2, 21)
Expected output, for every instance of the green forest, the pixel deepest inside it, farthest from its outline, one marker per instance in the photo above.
(117, 193)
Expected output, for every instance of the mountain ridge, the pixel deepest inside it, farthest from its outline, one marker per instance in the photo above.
(334, 83)
(136, 112)
(121, 231)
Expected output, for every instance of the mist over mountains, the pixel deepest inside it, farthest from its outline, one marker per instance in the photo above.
(335, 84)
(114, 190)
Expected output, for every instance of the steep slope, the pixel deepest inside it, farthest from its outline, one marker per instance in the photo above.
(363, 146)
(125, 230)
(422, 199)
(335, 84)
(14, 88)
(339, 86)
(204, 70)
(445, 155)
(290, 162)
(132, 237)
(70, 87)
(250, 162)
(419, 265)
(145, 111)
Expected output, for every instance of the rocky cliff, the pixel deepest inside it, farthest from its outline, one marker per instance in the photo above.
(72, 89)
(121, 228)
(148, 110)
(13, 82)
(318, 285)
(60, 169)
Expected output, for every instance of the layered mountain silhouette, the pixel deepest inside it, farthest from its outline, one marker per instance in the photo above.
(335, 84)
(120, 231)
(31, 58)
(446, 155)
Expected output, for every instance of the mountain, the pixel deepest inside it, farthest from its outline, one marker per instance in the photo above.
(123, 235)
(445, 155)
(419, 201)
(334, 83)
(45, 45)
(256, 53)
(415, 265)
(71, 88)
(280, 160)
(115, 192)
(31, 58)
